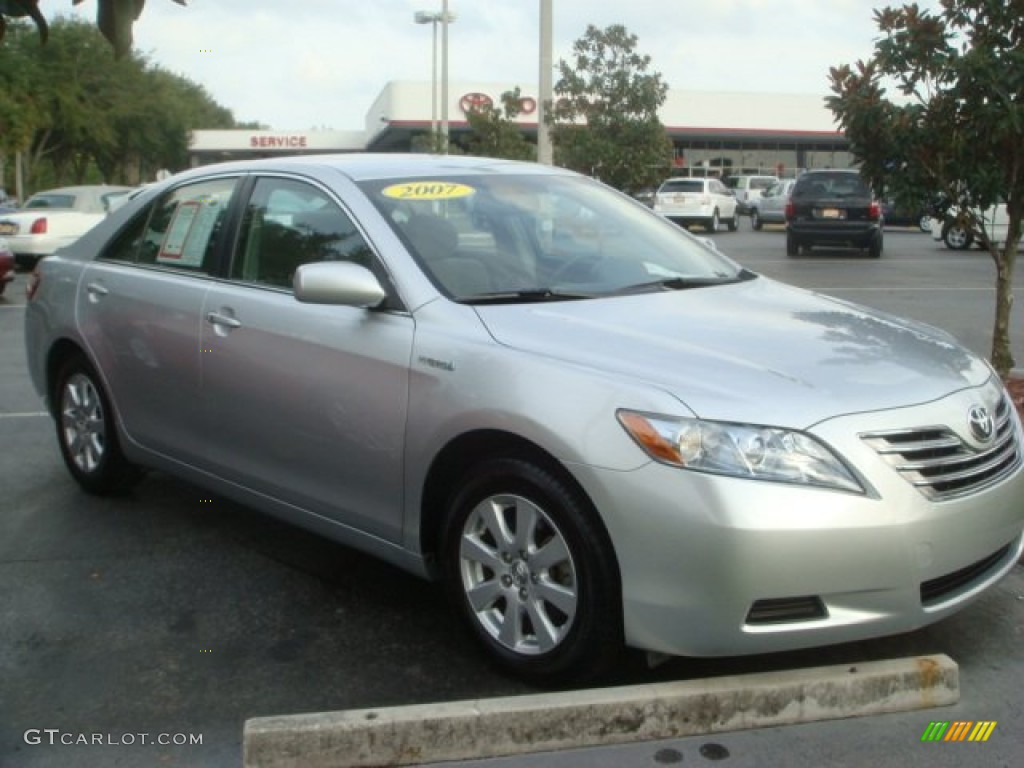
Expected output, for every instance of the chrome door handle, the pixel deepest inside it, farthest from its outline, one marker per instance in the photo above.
(97, 289)
(216, 318)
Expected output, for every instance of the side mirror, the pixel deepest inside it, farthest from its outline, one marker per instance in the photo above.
(337, 282)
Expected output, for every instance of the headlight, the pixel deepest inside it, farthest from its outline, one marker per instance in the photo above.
(740, 450)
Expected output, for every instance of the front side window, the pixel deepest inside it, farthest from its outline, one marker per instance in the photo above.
(288, 223)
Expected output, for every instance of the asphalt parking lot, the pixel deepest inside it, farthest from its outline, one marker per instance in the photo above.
(174, 614)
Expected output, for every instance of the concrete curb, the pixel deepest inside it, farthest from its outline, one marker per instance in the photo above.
(544, 722)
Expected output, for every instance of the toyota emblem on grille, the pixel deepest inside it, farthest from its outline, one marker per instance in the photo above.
(980, 422)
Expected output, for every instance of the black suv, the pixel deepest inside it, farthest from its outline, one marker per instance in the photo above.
(834, 208)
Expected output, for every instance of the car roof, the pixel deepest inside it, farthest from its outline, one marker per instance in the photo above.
(82, 189)
(366, 166)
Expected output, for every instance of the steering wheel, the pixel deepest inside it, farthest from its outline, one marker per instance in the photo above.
(577, 267)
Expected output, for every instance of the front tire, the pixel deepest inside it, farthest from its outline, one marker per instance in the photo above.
(86, 431)
(734, 223)
(533, 573)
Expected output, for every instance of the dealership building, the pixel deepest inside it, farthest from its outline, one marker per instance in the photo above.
(712, 133)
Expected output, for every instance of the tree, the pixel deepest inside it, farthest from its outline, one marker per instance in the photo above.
(74, 115)
(957, 128)
(494, 134)
(605, 121)
(113, 17)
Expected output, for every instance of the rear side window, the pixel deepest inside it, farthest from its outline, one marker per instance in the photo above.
(762, 182)
(182, 229)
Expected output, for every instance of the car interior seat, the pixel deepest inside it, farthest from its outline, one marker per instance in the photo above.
(436, 241)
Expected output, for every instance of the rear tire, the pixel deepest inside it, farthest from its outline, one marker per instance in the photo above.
(875, 247)
(533, 573)
(86, 431)
(712, 223)
(956, 237)
(755, 220)
(792, 245)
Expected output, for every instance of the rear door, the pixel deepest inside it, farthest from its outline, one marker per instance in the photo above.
(138, 307)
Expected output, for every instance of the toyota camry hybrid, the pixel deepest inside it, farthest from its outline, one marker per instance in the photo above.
(595, 429)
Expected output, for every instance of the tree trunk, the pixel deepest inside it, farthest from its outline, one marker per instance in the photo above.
(1002, 355)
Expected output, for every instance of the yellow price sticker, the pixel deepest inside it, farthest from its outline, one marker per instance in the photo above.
(427, 190)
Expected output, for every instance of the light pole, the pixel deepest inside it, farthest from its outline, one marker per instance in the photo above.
(444, 17)
(545, 90)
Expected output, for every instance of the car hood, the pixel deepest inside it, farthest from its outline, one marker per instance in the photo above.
(756, 351)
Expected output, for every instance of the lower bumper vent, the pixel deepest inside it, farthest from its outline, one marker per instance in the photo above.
(936, 590)
(784, 610)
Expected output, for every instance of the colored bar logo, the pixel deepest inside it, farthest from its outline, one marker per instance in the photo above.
(958, 730)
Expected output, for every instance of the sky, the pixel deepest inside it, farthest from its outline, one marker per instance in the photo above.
(320, 64)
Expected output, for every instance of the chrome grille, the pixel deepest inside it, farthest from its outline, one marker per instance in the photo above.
(941, 465)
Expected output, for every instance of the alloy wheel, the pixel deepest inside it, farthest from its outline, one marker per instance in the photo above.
(82, 423)
(518, 574)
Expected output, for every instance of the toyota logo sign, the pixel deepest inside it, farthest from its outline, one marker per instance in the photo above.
(980, 422)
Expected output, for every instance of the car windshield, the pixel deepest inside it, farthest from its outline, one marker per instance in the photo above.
(47, 200)
(539, 237)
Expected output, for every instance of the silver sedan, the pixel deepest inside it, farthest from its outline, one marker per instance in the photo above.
(595, 429)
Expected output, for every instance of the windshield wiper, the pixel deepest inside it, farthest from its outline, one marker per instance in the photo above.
(523, 297)
(683, 283)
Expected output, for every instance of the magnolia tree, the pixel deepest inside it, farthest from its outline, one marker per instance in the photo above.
(605, 119)
(955, 126)
(113, 17)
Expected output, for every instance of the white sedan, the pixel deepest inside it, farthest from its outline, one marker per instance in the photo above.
(55, 218)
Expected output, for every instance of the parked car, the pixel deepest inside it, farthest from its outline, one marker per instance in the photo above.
(55, 218)
(596, 430)
(644, 195)
(749, 189)
(958, 235)
(897, 215)
(833, 208)
(6, 264)
(707, 202)
(771, 206)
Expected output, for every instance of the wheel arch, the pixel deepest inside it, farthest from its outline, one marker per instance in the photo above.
(59, 353)
(471, 448)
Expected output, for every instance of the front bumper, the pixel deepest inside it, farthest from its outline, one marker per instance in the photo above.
(699, 553)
